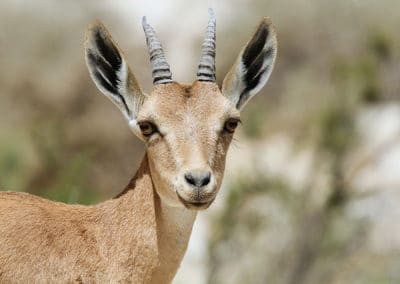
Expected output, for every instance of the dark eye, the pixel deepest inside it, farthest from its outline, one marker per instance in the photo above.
(231, 124)
(147, 128)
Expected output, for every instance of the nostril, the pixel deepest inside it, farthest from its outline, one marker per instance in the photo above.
(190, 179)
(206, 179)
(198, 179)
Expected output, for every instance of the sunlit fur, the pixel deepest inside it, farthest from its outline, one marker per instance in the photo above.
(141, 235)
(191, 137)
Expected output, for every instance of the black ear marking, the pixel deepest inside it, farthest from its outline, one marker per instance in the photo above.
(251, 84)
(104, 83)
(255, 68)
(254, 65)
(105, 69)
(107, 49)
(254, 59)
(256, 45)
(113, 90)
(106, 62)
(110, 71)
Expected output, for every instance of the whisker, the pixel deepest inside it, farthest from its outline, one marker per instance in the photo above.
(236, 143)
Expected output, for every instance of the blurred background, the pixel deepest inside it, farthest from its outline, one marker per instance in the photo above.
(312, 186)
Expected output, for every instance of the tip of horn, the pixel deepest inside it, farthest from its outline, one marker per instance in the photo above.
(144, 20)
(211, 13)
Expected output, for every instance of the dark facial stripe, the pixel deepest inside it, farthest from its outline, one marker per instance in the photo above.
(256, 45)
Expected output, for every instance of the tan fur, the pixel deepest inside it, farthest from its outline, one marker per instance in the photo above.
(141, 235)
(193, 136)
(134, 237)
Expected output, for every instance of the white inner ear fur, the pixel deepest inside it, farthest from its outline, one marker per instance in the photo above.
(102, 50)
(123, 89)
(268, 61)
(235, 83)
(122, 75)
(134, 127)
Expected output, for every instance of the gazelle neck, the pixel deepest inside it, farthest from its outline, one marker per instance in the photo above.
(155, 231)
(174, 227)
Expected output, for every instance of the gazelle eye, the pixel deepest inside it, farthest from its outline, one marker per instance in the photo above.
(231, 124)
(147, 128)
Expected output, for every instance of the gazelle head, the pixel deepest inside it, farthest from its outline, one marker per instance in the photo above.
(187, 128)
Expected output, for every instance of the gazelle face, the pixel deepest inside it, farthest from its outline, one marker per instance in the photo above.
(187, 129)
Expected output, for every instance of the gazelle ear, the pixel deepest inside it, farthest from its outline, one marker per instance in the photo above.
(110, 72)
(253, 66)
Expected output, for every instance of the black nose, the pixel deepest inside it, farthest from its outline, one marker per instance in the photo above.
(198, 178)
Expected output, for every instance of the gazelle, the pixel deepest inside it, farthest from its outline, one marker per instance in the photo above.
(141, 235)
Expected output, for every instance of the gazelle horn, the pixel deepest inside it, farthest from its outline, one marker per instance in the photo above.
(160, 68)
(206, 71)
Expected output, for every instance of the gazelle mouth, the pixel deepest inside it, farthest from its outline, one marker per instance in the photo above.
(196, 205)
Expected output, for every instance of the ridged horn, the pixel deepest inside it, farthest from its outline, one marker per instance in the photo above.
(160, 68)
(206, 71)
